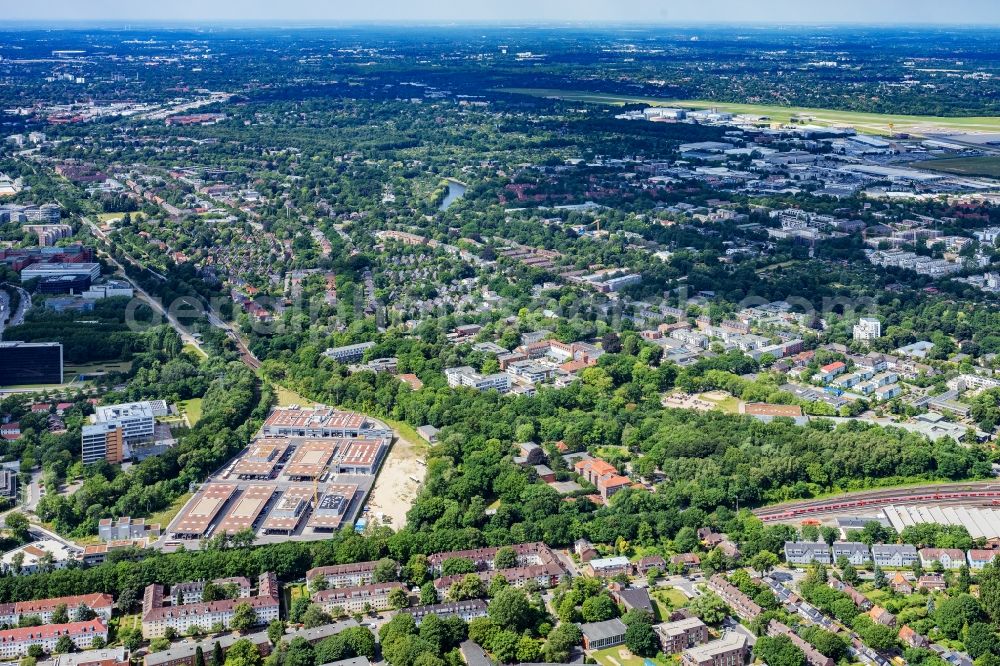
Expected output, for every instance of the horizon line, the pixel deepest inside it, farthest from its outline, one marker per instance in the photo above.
(284, 23)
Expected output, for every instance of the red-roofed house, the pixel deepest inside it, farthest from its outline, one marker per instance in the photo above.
(15, 642)
(10, 431)
(829, 371)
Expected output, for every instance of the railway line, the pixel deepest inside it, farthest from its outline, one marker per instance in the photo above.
(977, 493)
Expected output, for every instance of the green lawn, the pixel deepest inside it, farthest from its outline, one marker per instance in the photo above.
(164, 517)
(874, 123)
(287, 397)
(195, 350)
(966, 166)
(613, 656)
(192, 408)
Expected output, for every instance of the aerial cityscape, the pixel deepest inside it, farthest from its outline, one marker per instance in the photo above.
(469, 334)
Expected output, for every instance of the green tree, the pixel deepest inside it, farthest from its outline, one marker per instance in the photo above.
(244, 618)
(778, 651)
(599, 608)
(17, 524)
(218, 656)
(243, 653)
(60, 614)
(506, 558)
(642, 639)
(709, 608)
(510, 609)
(561, 642)
(399, 599)
(764, 561)
(199, 656)
(64, 644)
(982, 639)
(275, 631)
(385, 571)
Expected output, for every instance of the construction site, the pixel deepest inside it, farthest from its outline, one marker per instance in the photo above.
(307, 473)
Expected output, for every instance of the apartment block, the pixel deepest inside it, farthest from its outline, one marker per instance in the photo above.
(683, 634)
(730, 650)
(158, 613)
(358, 599)
(15, 642)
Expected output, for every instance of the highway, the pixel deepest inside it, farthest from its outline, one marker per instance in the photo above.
(986, 492)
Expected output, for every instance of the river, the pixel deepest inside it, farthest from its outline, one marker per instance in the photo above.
(456, 191)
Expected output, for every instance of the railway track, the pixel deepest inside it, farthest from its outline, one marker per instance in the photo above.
(984, 492)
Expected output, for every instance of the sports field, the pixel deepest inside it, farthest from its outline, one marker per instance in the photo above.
(871, 123)
(966, 166)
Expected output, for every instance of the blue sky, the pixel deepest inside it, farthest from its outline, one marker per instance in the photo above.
(979, 12)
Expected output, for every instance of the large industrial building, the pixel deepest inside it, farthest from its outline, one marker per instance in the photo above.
(306, 474)
(980, 522)
(31, 363)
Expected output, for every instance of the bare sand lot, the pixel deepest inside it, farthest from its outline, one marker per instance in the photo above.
(399, 481)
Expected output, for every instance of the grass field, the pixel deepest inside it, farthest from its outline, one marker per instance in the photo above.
(620, 655)
(164, 517)
(191, 348)
(192, 408)
(288, 397)
(104, 217)
(872, 123)
(966, 166)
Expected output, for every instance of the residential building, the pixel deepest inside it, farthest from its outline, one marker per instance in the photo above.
(742, 605)
(157, 616)
(978, 559)
(900, 584)
(126, 528)
(344, 575)
(856, 553)
(807, 552)
(950, 558)
(932, 582)
(349, 353)
(882, 616)
(15, 642)
(600, 635)
(607, 567)
(867, 329)
(813, 656)
(467, 610)
(360, 599)
(12, 613)
(893, 555)
(683, 634)
(183, 653)
(730, 650)
(860, 600)
(116, 656)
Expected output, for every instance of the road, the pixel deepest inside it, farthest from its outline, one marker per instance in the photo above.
(966, 493)
(17, 318)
